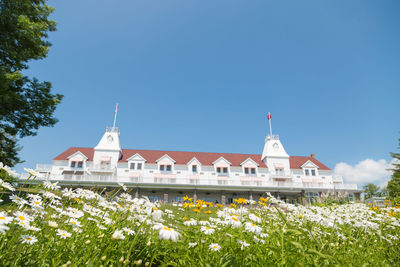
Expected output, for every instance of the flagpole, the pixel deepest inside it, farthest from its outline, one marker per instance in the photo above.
(270, 127)
(115, 116)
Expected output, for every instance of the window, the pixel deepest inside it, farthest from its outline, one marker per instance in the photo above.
(250, 170)
(132, 166)
(73, 164)
(307, 172)
(167, 168)
(222, 170)
(194, 168)
(139, 166)
(313, 172)
(80, 164)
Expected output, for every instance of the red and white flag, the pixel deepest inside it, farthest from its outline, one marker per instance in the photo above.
(269, 116)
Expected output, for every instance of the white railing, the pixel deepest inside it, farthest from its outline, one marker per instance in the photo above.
(273, 137)
(317, 185)
(346, 186)
(102, 167)
(337, 178)
(43, 167)
(256, 182)
(281, 175)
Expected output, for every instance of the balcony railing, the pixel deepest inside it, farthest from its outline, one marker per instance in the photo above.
(190, 181)
(281, 175)
(102, 167)
(346, 186)
(43, 167)
(337, 178)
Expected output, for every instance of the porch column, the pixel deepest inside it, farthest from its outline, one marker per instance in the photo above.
(223, 198)
(166, 197)
(250, 195)
(357, 197)
(195, 195)
(303, 199)
(137, 193)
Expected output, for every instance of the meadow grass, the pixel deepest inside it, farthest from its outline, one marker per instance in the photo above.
(50, 226)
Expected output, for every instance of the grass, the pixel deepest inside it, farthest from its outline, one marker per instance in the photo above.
(269, 233)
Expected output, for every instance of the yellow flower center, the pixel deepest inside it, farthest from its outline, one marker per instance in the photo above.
(166, 228)
(208, 228)
(28, 238)
(63, 234)
(37, 202)
(2, 218)
(215, 247)
(73, 222)
(22, 218)
(234, 218)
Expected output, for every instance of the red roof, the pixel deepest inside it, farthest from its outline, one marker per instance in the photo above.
(183, 157)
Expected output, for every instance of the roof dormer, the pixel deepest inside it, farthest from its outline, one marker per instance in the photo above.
(194, 165)
(136, 162)
(222, 166)
(310, 168)
(166, 163)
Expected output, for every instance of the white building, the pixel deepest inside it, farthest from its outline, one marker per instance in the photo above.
(217, 177)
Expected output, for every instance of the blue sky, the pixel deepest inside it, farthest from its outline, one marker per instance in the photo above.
(202, 75)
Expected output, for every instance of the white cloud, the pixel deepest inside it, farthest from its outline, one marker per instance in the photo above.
(366, 171)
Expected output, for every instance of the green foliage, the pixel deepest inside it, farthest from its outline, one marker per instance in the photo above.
(393, 186)
(371, 190)
(25, 103)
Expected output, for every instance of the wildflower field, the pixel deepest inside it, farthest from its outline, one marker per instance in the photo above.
(45, 225)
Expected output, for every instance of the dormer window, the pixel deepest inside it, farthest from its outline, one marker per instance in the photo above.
(194, 168)
(222, 170)
(312, 172)
(76, 160)
(249, 170)
(222, 166)
(132, 166)
(165, 168)
(310, 168)
(136, 162)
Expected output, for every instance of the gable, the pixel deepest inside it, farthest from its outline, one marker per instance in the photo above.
(194, 161)
(222, 162)
(249, 163)
(165, 160)
(309, 164)
(136, 157)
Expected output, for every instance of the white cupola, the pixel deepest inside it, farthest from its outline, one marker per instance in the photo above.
(108, 151)
(275, 156)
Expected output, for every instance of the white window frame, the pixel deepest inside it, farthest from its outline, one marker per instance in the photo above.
(136, 162)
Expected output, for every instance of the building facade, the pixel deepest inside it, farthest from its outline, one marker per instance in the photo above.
(217, 177)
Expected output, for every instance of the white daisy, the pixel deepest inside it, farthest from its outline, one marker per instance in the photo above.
(118, 234)
(207, 230)
(167, 233)
(28, 239)
(4, 219)
(63, 234)
(214, 247)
